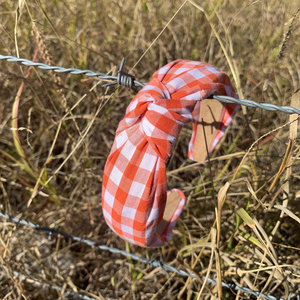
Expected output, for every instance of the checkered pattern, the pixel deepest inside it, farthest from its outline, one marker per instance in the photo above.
(135, 183)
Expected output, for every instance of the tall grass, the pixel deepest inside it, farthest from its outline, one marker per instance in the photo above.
(56, 133)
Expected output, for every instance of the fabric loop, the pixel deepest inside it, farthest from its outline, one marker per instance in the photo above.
(134, 190)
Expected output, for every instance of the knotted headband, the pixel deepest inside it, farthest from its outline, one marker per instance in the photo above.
(134, 193)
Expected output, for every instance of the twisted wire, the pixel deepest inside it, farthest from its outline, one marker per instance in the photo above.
(265, 106)
(74, 71)
(154, 263)
(130, 81)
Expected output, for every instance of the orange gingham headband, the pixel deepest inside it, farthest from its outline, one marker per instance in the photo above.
(134, 193)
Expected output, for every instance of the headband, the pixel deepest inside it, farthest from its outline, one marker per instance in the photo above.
(135, 201)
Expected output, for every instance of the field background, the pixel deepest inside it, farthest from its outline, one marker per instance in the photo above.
(52, 157)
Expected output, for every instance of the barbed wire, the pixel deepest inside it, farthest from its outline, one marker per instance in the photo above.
(130, 81)
(153, 263)
(120, 79)
(264, 106)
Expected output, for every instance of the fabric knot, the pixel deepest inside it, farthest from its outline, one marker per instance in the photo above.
(134, 190)
(160, 117)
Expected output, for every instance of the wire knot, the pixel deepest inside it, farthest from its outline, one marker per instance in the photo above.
(123, 78)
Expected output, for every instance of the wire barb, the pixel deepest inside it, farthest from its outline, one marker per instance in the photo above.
(123, 78)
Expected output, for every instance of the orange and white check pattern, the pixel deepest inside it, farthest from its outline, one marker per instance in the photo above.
(134, 190)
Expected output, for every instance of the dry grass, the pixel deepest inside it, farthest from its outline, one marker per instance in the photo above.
(51, 168)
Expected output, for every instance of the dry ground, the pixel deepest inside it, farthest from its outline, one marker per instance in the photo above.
(51, 168)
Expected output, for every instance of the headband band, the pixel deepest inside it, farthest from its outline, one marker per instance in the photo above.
(134, 194)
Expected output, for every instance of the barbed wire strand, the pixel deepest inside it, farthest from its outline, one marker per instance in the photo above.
(116, 79)
(130, 81)
(153, 263)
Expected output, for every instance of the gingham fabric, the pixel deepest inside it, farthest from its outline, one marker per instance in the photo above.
(134, 190)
